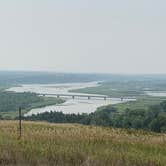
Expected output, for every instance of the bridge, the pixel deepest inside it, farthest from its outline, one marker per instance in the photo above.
(73, 96)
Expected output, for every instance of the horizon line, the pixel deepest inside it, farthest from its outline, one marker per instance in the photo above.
(71, 72)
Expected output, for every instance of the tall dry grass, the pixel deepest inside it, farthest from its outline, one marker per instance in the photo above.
(71, 145)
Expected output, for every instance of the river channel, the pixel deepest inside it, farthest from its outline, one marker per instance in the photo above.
(76, 105)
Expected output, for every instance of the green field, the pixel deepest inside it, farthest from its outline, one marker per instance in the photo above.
(45, 144)
(140, 103)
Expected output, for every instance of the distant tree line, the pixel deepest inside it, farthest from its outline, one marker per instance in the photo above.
(21, 77)
(152, 119)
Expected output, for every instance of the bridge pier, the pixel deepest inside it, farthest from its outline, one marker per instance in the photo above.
(88, 97)
(73, 97)
(105, 98)
(58, 96)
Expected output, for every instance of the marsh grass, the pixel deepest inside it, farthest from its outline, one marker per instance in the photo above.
(67, 145)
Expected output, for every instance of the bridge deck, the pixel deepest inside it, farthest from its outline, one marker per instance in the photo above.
(70, 95)
(78, 95)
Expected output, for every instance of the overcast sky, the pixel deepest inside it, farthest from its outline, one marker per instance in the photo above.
(109, 36)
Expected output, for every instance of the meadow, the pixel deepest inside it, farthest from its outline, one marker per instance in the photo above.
(143, 102)
(74, 145)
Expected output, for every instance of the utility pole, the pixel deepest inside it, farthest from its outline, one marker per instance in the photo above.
(20, 124)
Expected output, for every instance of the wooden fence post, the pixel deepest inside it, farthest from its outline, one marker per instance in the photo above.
(20, 123)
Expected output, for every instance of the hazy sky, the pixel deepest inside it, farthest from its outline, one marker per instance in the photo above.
(112, 36)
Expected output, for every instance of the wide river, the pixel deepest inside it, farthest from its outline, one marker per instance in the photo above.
(77, 105)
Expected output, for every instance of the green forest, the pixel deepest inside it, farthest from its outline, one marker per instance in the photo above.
(10, 103)
(152, 119)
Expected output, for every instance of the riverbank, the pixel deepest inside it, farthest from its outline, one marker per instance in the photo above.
(11, 101)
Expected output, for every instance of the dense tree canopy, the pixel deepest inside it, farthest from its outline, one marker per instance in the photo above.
(153, 119)
(10, 101)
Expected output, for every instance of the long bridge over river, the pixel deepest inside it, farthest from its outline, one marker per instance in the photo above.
(73, 96)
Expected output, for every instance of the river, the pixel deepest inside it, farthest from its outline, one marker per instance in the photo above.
(77, 105)
(156, 93)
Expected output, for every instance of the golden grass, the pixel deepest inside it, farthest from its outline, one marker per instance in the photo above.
(71, 145)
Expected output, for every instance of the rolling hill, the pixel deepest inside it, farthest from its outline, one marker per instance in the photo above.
(72, 144)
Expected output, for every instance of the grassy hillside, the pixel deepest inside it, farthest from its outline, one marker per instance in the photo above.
(58, 144)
